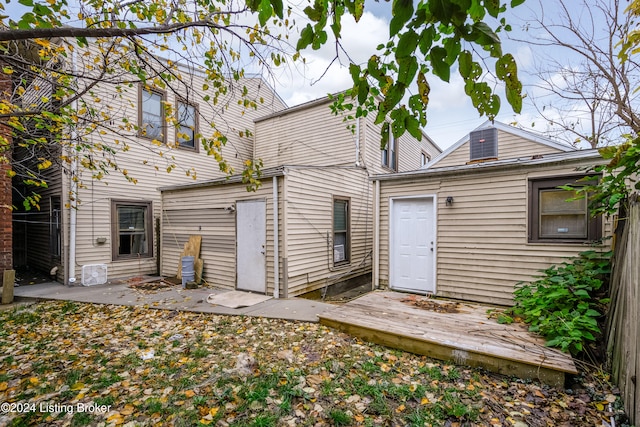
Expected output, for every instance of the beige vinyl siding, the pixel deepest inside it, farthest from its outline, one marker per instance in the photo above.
(510, 146)
(311, 136)
(143, 162)
(309, 205)
(201, 211)
(482, 240)
(409, 149)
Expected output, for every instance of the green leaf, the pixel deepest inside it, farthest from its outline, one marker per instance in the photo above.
(373, 69)
(407, 44)
(515, 3)
(278, 8)
(28, 3)
(306, 37)
(426, 39)
(514, 98)
(452, 46)
(438, 62)
(363, 91)
(402, 11)
(483, 34)
(493, 7)
(319, 39)
(408, 69)
(413, 127)
(465, 61)
(313, 14)
(265, 12)
(355, 71)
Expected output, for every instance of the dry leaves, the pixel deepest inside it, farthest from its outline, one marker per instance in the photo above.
(154, 367)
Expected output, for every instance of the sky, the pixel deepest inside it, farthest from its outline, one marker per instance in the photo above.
(450, 113)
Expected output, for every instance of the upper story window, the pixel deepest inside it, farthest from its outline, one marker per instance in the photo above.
(151, 114)
(483, 144)
(424, 159)
(187, 126)
(390, 150)
(556, 215)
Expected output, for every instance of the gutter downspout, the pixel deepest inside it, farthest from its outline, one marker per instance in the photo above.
(73, 194)
(276, 247)
(375, 275)
(358, 142)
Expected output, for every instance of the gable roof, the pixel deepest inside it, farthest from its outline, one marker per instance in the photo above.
(568, 157)
(505, 128)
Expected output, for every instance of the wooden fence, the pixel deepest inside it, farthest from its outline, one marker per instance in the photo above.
(623, 322)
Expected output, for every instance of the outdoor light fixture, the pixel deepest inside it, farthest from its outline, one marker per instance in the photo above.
(449, 201)
(230, 209)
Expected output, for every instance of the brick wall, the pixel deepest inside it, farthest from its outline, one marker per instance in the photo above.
(6, 233)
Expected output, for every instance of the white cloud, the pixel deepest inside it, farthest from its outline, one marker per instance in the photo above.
(319, 76)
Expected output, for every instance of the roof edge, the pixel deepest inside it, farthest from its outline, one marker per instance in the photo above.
(505, 128)
(576, 156)
(233, 179)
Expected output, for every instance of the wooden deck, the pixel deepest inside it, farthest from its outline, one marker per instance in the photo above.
(455, 331)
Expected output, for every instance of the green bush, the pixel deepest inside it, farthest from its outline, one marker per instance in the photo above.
(564, 303)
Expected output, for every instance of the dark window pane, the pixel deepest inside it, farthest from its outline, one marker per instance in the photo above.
(151, 115)
(132, 232)
(186, 128)
(340, 215)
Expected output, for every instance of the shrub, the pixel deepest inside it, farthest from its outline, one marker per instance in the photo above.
(564, 303)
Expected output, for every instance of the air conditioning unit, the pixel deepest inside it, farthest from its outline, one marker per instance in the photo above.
(94, 274)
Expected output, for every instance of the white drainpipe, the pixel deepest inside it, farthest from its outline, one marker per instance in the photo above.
(73, 201)
(358, 142)
(375, 279)
(276, 248)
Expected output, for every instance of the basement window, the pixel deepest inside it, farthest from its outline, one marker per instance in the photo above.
(556, 215)
(131, 229)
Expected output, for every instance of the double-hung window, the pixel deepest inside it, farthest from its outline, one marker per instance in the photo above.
(151, 123)
(424, 159)
(131, 229)
(187, 125)
(390, 149)
(341, 234)
(559, 215)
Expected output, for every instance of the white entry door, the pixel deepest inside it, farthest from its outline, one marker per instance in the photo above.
(251, 241)
(412, 245)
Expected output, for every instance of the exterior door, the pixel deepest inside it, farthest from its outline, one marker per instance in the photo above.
(251, 241)
(412, 245)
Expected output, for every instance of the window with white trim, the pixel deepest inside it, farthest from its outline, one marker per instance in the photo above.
(341, 232)
(424, 159)
(132, 231)
(390, 149)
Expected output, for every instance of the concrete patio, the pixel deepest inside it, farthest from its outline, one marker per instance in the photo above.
(171, 298)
